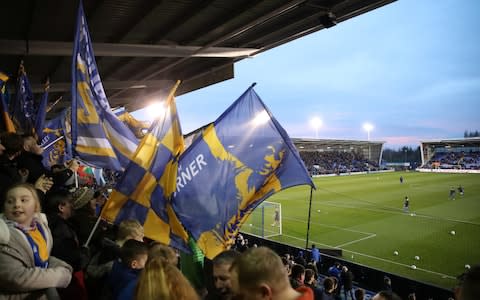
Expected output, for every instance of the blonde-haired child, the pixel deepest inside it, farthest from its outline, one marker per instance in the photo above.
(26, 267)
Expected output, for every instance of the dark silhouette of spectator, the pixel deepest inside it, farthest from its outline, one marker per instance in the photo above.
(386, 295)
(359, 294)
(469, 285)
(347, 281)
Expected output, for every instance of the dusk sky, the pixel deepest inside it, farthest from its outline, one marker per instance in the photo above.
(410, 68)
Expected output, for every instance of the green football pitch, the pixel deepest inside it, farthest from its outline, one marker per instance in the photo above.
(363, 215)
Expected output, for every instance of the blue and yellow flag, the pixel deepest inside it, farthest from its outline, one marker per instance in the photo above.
(241, 159)
(98, 137)
(145, 189)
(135, 126)
(41, 114)
(7, 124)
(54, 141)
(23, 109)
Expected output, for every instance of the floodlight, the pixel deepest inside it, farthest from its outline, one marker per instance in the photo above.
(156, 109)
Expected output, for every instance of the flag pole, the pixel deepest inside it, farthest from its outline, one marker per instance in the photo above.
(309, 214)
(92, 232)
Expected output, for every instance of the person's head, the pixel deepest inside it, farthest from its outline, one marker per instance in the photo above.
(344, 269)
(134, 254)
(129, 230)
(21, 204)
(60, 202)
(469, 284)
(309, 276)
(359, 294)
(298, 272)
(313, 246)
(329, 284)
(161, 251)
(221, 273)
(83, 199)
(30, 145)
(412, 296)
(100, 198)
(387, 280)
(386, 295)
(13, 144)
(163, 281)
(258, 273)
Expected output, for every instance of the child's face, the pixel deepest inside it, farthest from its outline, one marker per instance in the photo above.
(20, 206)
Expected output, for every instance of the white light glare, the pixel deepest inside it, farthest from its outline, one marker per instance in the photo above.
(367, 127)
(261, 118)
(156, 109)
(316, 122)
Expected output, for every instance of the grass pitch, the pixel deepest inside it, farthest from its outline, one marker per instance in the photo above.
(363, 215)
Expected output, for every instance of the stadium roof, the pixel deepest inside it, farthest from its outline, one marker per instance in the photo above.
(458, 141)
(314, 143)
(142, 46)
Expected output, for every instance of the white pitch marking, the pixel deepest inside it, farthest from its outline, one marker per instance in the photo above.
(356, 241)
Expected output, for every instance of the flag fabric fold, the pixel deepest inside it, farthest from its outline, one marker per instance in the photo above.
(98, 137)
(241, 159)
(7, 124)
(41, 114)
(23, 108)
(145, 189)
(55, 141)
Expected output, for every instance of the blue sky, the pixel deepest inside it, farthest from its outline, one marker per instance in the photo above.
(411, 68)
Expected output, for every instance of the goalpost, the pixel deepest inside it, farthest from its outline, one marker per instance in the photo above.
(265, 221)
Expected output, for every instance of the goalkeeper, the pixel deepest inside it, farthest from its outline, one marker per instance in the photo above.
(276, 218)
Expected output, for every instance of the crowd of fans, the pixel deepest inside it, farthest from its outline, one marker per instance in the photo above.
(335, 162)
(48, 250)
(454, 160)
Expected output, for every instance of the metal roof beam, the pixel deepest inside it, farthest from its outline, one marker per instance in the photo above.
(46, 48)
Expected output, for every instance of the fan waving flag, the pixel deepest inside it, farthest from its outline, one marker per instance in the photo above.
(145, 190)
(241, 159)
(98, 137)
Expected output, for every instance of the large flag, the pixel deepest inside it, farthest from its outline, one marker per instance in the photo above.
(135, 125)
(241, 159)
(7, 124)
(23, 109)
(98, 137)
(55, 141)
(144, 191)
(41, 113)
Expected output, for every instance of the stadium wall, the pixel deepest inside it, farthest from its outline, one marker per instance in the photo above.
(354, 173)
(457, 171)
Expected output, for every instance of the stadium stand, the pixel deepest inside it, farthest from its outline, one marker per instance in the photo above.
(323, 157)
(458, 154)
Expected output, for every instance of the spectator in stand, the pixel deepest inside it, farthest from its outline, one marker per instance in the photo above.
(163, 281)
(102, 262)
(163, 252)
(359, 294)
(11, 173)
(300, 259)
(316, 257)
(298, 276)
(258, 273)
(27, 271)
(329, 286)
(66, 245)
(222, 280)
(312, 283)
(347, 280)
(469, 285)
(123, 278)
(84, 218)
(387, 283)
(386, 295)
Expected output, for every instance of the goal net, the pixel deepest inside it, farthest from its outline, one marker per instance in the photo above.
(265, 221)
